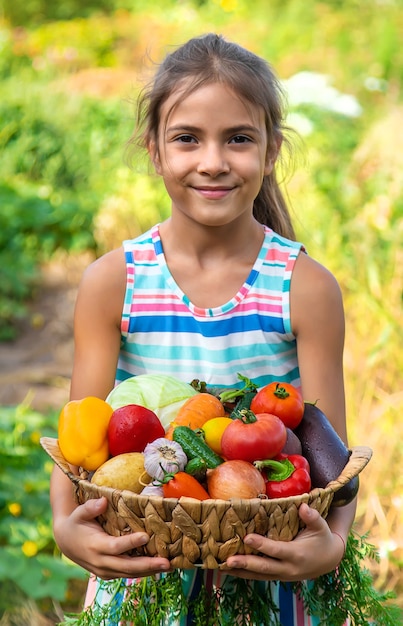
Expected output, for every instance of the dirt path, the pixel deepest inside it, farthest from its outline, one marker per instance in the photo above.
(37, 366)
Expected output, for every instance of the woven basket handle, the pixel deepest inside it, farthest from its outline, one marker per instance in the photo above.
(359, 457)
(51, 446)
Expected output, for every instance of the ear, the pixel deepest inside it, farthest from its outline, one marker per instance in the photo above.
(272, 154)
(154, 155)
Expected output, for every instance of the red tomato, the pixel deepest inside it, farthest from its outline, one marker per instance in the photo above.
(281, 399)
(182, 484)
(254, 437)
(131, 428)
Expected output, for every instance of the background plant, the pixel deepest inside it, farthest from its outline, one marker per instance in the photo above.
(30, 565)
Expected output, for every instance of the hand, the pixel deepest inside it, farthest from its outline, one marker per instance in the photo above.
(313, 552)
(82, 539)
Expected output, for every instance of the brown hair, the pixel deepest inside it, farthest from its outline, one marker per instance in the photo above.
(211, 58)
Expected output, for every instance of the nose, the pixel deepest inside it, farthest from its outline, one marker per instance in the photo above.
(213, 160)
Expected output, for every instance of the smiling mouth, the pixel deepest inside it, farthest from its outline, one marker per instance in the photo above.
(213, 193)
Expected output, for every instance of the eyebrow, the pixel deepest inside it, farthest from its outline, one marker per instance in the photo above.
(241, 128)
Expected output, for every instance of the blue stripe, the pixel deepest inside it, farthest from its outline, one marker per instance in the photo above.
(252, 277)
(227, 377)
(286, 601)
(158, 246)
(262, 348)
(206, 327)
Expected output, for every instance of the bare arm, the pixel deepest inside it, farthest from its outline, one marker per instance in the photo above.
(317, 317)
(96, 337)
(318, 323)
(97, 343)
(97, 319)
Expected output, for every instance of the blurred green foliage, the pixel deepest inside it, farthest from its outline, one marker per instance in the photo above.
(30, 565)
(31, 12)
(57, 154)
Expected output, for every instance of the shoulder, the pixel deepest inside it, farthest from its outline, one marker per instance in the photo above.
(311, 278)
(103, 283)
(315, 295)
(106, 270)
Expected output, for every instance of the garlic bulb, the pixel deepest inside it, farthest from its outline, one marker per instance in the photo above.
(152, 490)
(163, 456)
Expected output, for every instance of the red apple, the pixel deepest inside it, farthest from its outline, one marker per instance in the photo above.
(131, 428)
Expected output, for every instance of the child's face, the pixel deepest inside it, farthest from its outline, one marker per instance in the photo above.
(212, 153)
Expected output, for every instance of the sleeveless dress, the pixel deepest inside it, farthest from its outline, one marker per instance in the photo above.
(164, 333)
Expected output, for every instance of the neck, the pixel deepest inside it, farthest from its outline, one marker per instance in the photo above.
(211, 243)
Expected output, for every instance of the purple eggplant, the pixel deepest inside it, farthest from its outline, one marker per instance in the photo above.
(325, 452)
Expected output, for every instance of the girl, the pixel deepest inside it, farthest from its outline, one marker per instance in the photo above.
(220, 287)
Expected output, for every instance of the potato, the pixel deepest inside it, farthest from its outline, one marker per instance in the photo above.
(123, 471)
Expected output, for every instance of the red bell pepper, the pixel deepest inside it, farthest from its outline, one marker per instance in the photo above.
(286, 475)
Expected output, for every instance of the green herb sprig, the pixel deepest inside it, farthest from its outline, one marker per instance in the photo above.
(346, 593)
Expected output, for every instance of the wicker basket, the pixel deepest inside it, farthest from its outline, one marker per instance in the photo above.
(191, 533)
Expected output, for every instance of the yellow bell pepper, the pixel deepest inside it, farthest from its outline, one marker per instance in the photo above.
(83, 432)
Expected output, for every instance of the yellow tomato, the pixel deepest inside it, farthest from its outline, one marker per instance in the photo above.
(213, 431)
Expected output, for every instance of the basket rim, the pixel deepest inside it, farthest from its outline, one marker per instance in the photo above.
(359, 458)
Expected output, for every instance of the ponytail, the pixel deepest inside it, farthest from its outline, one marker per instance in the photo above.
(270, 208)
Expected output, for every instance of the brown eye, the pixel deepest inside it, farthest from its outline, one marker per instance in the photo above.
(185, 138)
(240, 139)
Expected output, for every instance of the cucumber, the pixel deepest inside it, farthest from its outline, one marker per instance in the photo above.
(198, 468)
(195, 448)
(195, 466)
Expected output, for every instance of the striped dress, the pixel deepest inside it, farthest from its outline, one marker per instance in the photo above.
(164, 333)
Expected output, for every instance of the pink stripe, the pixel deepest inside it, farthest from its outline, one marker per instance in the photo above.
(276, 254)
(262, 308)
(175, 307)
(200, 312)
(261, 295)
(147, 295)
(299, 612)
(156, 298)
(219, 577)
(290, 264)
(209, 581)
(158, 308)
(146, 254)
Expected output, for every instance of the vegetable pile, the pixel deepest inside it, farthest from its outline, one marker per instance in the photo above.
(155, 435)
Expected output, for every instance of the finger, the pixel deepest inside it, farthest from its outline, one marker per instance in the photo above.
(114, 561)
(269, 547)
(249, 575)
(130, 567)
(311, 517)
(119, 555)
(91, 509)
(126, 543)
(260, 544)
(251, 566)
(133, 567)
